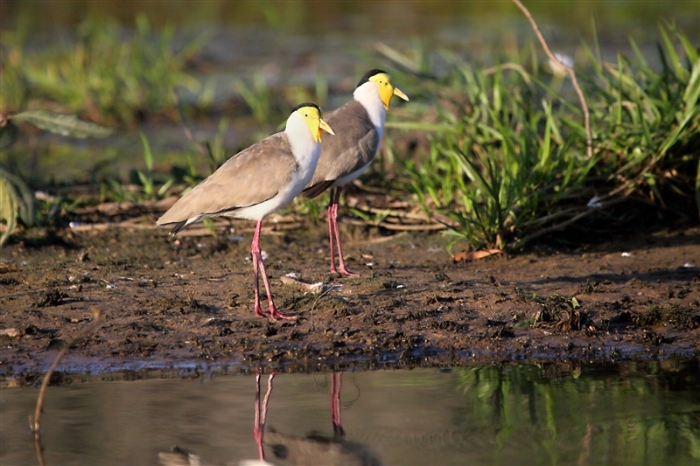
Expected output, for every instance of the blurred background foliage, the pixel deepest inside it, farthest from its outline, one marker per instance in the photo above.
(490, 148)
(103, 74)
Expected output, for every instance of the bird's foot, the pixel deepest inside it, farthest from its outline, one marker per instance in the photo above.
(259, 312)
(341, 267)
(343, 271)
(276, 315)
(348, 273)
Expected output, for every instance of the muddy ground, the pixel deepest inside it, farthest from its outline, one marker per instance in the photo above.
(188, 301)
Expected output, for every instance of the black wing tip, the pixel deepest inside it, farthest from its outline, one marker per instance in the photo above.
(317, 189)
(177, 226)
(369, 74)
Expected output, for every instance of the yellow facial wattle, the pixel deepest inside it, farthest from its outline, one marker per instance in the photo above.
(386, 89)
(316, 124)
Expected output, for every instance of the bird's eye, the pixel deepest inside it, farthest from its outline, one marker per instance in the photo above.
(306, 115)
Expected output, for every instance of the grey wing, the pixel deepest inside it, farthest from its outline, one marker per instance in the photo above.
(252, 176)
(354, 146)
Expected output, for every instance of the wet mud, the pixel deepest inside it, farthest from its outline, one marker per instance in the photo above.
(188, 301)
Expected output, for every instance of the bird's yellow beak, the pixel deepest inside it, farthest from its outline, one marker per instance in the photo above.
(386, 89)
(399, 93)
(323, 126)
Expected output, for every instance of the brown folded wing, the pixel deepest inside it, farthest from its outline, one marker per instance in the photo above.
(254, 175)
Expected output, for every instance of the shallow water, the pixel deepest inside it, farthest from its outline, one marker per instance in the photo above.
(628, 413)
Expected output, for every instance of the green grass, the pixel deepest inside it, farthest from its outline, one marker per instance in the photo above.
(144, 185)
(507, 151)
(257, 96)
(102, 74)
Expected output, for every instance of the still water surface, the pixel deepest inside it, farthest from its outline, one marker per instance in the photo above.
(629, 413)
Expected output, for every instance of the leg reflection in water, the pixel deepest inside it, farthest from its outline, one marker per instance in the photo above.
(336, 388)
(316, 449)
(311, 449)
(261, 413)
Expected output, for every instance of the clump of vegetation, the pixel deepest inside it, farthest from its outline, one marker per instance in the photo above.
(564, 314)
(16, 201)
(507, 159)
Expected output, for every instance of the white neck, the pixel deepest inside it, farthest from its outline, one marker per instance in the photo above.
(303, 144)
(368, 96)
(306, 151)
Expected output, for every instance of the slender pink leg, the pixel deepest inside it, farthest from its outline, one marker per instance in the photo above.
(259, 267)
(336, 388)
(255, 250)
(331, 229)
(334, 215)
(261, 413)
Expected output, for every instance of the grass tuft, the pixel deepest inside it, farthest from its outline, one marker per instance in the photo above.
(506, 155)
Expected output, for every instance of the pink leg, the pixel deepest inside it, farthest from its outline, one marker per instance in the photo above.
(259, 267)
(336, 388)
(331, 230)
(261, 413)
(334, 215)
(255, 249)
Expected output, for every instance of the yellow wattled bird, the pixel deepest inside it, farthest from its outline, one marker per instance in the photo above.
(360, 126)
(256, 182)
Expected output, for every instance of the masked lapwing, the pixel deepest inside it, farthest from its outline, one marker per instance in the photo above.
(360, 125)
(256, 182)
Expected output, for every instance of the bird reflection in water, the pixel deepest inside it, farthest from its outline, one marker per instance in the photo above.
(316, 449)
(312, 449)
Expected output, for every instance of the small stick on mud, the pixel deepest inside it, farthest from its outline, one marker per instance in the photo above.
(35, 423)
(569, 71)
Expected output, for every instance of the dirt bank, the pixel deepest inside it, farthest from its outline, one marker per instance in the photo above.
(173, 301)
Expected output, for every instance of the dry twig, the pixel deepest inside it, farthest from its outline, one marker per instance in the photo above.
(569, 71)
(35, 423)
